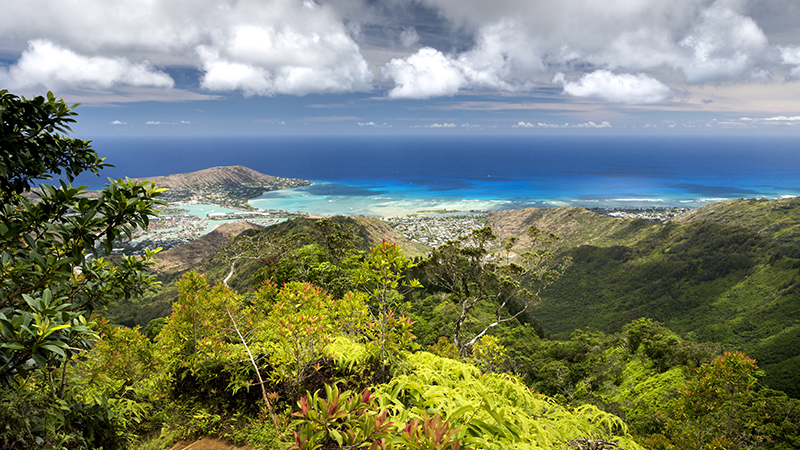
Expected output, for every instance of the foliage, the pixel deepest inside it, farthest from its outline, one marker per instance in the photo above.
(382, 276)
(468, 269)
(297, 329)
(718, 408)
(444, 348)
(489, 354)
(491, 410)
(718, 281)
(49, 283)
(343, 418)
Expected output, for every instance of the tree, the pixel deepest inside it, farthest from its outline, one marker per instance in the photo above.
(382, 276)
(52, 237)
(719, 408)
(472, 273)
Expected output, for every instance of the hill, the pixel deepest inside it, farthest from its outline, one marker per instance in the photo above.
(194, 253)
(575, 226)
(229, 186)
(210, 177)
(726, 273)
(776, 219)
(200, 255)
(370, 230)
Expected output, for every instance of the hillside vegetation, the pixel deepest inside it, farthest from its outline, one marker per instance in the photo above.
(728, 272)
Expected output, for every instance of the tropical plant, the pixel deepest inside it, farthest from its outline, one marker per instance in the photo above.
(52, 270)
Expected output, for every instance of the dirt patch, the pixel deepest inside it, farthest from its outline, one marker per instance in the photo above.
(206, 444)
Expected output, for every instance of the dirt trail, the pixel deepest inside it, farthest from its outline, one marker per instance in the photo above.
(206, 444)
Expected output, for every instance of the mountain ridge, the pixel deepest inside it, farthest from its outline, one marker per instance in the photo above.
(237, 174)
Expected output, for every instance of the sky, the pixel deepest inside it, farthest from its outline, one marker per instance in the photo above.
(282, 67)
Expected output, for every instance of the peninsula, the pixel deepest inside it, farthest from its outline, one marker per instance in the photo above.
(227, 186)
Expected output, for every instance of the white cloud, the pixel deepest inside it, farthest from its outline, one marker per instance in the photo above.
(773, 121)
(791, 56)
(117, 122)
(260, 47)
(440, 125)
(704, 40)
(615, 88)
(366, 124)
(723, 45)
(222, 75)
(47, 65)
(594, 125)
(267, 47)
(524, 125)
(782, 119)
(501, 52)
(270, 59)
(158, 122)
(425, 74)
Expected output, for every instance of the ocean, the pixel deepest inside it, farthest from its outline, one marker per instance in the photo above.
(398, 175)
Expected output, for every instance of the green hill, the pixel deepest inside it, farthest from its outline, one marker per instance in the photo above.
(728, 273)
(201, 253)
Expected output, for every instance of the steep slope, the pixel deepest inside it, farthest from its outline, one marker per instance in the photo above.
(575, 226)
(776, 219)
(709, 280)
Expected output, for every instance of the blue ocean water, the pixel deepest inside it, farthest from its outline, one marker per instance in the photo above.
(395, 175)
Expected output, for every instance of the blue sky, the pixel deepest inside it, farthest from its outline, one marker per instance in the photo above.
(268, 67)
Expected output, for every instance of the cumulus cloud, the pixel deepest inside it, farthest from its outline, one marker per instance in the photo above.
(524, 125)
(705, 41)
(268, 47)
(47, 65)
(117, 122)
(268, 59)
(723, 45)
(440, 125)
(425, 74)
(603, 124)
(791, 56)
(500, 53)
(774, 120)
(615, 88)
(259, 47)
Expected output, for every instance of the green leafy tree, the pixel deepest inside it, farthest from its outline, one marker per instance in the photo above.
(52, 275)
(473, 273)
(719, 408)
(382, 276)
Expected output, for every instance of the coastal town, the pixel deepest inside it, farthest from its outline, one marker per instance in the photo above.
(435, 230)
(176, 226)
(200, 201)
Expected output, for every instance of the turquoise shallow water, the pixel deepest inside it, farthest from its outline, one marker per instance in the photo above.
(395, 175)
